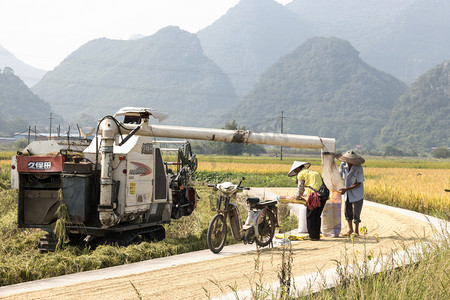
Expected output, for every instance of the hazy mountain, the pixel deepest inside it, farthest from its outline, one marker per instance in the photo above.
(19, 107)
(420, 119)
(166, 71)
(250, 37)
(324, 89)
(404, 37)
(28, 74)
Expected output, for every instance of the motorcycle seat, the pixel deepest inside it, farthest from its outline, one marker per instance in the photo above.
(267, 203)
(253, 200)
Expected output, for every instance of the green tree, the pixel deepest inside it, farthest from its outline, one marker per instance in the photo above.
(441, 152)
(390, 150)
(225, 148)
(20, 144)
(256, 150)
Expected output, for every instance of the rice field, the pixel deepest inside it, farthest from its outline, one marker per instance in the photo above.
(421, 190)
(413, 184)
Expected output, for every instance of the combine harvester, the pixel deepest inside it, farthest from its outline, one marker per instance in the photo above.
(118, 187)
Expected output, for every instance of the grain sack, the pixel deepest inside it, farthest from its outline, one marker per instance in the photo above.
(331, 216)
(302, 219)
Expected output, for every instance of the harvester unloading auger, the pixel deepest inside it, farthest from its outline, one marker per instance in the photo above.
(119, 187)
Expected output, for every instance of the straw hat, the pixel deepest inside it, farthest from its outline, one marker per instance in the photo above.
(296, 166)
(351, 157)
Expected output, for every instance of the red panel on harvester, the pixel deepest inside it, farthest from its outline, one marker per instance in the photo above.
(39, 164)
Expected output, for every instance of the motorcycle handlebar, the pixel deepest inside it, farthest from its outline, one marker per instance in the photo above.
(244, 188)
(238, 187)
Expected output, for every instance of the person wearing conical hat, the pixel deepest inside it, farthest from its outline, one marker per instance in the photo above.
(352, 172)
(312, 179)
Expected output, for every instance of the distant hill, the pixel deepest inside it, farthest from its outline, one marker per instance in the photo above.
(28, 74)
(250, 37)
(166, 71)
(405, 38)
(420, 119)
(19, 107)
(324, 89)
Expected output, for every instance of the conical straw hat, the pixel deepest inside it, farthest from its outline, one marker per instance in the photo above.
(296, 166)
(352, 158)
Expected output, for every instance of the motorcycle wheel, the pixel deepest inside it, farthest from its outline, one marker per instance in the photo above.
(217, 233)
(266, 228)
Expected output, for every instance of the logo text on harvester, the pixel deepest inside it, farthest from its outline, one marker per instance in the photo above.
(140, 169)
(39, 165)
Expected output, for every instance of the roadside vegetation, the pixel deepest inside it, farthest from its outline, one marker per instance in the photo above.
(420, 273)
(427, 278)
(409, 183)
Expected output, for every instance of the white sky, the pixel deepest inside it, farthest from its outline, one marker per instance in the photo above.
(42, 33)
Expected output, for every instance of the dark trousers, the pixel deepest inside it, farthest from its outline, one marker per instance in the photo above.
(313, 220)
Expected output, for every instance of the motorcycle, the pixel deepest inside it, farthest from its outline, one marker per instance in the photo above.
(260, 224)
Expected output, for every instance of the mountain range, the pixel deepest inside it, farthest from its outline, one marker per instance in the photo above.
(28, 74)
(405, 38)
(250, 37)
(20, 107)
(325, 89)
(420, 118)
(166, 71)
(262, 58)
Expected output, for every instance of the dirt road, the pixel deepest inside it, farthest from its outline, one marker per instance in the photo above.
(387, 231)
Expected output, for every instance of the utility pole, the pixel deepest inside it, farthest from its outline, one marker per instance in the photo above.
(51, 118)
(281, 147)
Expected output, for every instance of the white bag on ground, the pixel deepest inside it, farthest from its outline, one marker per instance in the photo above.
(302, 219)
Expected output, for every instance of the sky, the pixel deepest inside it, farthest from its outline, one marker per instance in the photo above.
(42, 33)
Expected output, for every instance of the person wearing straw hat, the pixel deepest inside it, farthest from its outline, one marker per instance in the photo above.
(312, 179)
(352, 172)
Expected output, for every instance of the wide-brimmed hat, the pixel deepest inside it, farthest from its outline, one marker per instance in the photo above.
(296, 166)
(351, 157)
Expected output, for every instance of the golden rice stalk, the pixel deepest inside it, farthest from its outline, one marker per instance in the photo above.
(60, 230)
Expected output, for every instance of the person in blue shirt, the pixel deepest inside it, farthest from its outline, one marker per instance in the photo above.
(352, 172)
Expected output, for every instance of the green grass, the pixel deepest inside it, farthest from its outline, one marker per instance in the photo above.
(251, 180)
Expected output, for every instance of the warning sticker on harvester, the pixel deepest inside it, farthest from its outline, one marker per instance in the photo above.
(132, 188)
